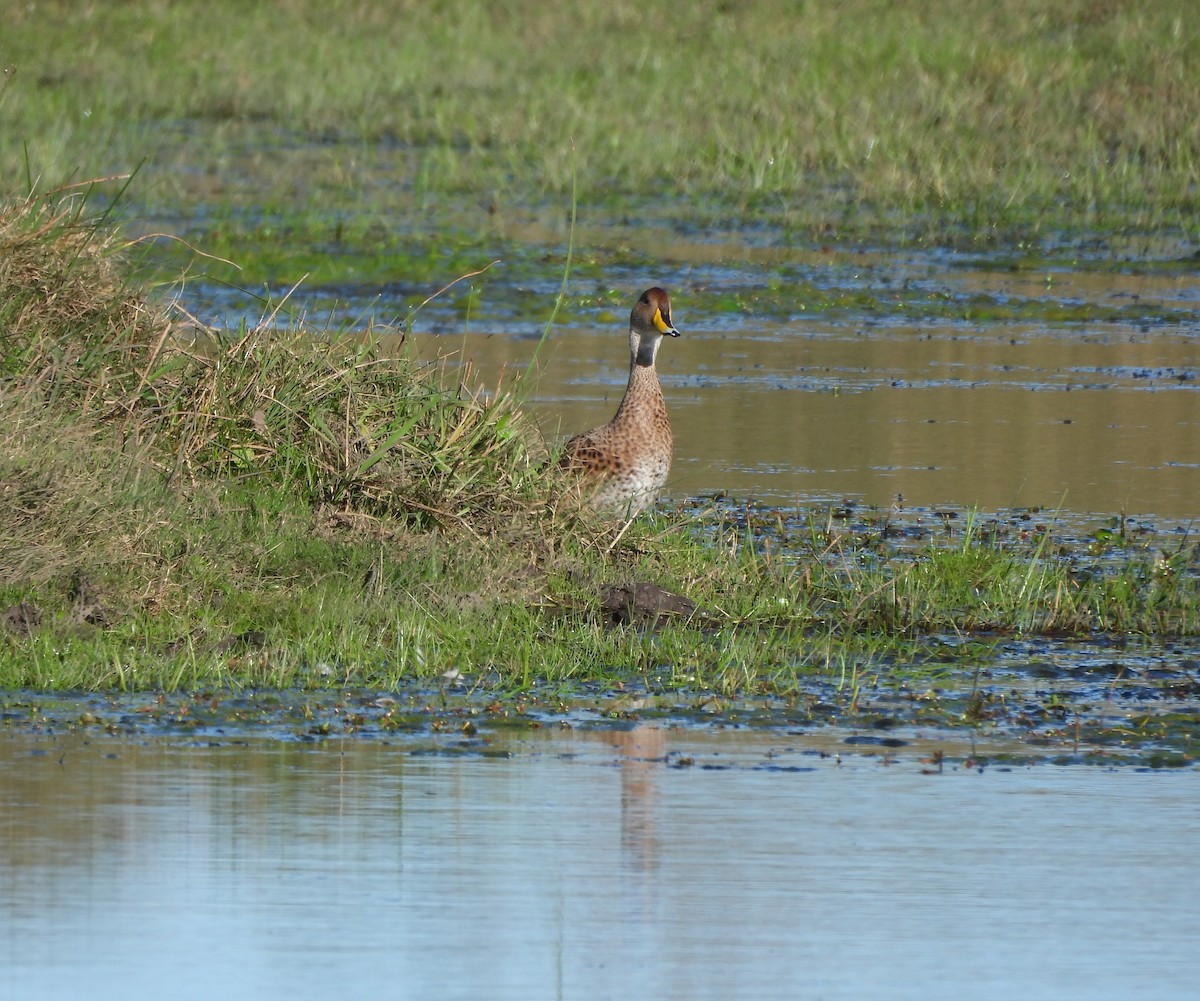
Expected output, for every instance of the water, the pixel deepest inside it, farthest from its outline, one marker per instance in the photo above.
(911, 399)
(670, 863)
(646, 863)
(814, 411)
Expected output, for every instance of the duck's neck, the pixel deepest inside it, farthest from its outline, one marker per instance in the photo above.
(642, 351)
(642, 393)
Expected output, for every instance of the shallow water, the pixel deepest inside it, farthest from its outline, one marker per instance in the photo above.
(649, 863)
(955, 379)
(814, 411)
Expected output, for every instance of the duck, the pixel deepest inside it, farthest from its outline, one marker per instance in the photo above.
(623, 464)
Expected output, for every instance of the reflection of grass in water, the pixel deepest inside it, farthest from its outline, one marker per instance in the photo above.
(970, 114)
(294, 509)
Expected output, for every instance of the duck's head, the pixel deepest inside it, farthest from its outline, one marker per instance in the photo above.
(649, 322)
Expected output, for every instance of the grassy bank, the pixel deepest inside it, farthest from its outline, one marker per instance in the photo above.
(976, 116)
(183, 509)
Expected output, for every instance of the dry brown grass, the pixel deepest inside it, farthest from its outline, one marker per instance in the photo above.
(332, 417)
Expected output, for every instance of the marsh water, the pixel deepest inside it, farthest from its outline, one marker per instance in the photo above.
(653, 862)
(891, 378)
(671, 860)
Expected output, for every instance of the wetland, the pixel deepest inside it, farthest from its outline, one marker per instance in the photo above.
(310, 682)
(938, 412)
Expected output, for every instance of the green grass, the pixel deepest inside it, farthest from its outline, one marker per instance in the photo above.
(193, 510)
(187, 509)
(920, 117)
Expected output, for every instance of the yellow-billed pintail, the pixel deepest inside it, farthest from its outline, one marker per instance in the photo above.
(625, 463)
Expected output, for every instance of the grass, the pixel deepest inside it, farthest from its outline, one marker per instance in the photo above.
(182, 509)
(186, 509)
(920, 118)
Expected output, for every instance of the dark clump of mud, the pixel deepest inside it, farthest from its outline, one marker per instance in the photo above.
(643, 604)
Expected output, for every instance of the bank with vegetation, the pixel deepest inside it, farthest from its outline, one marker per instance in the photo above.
(291, 506)
(185, 508)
